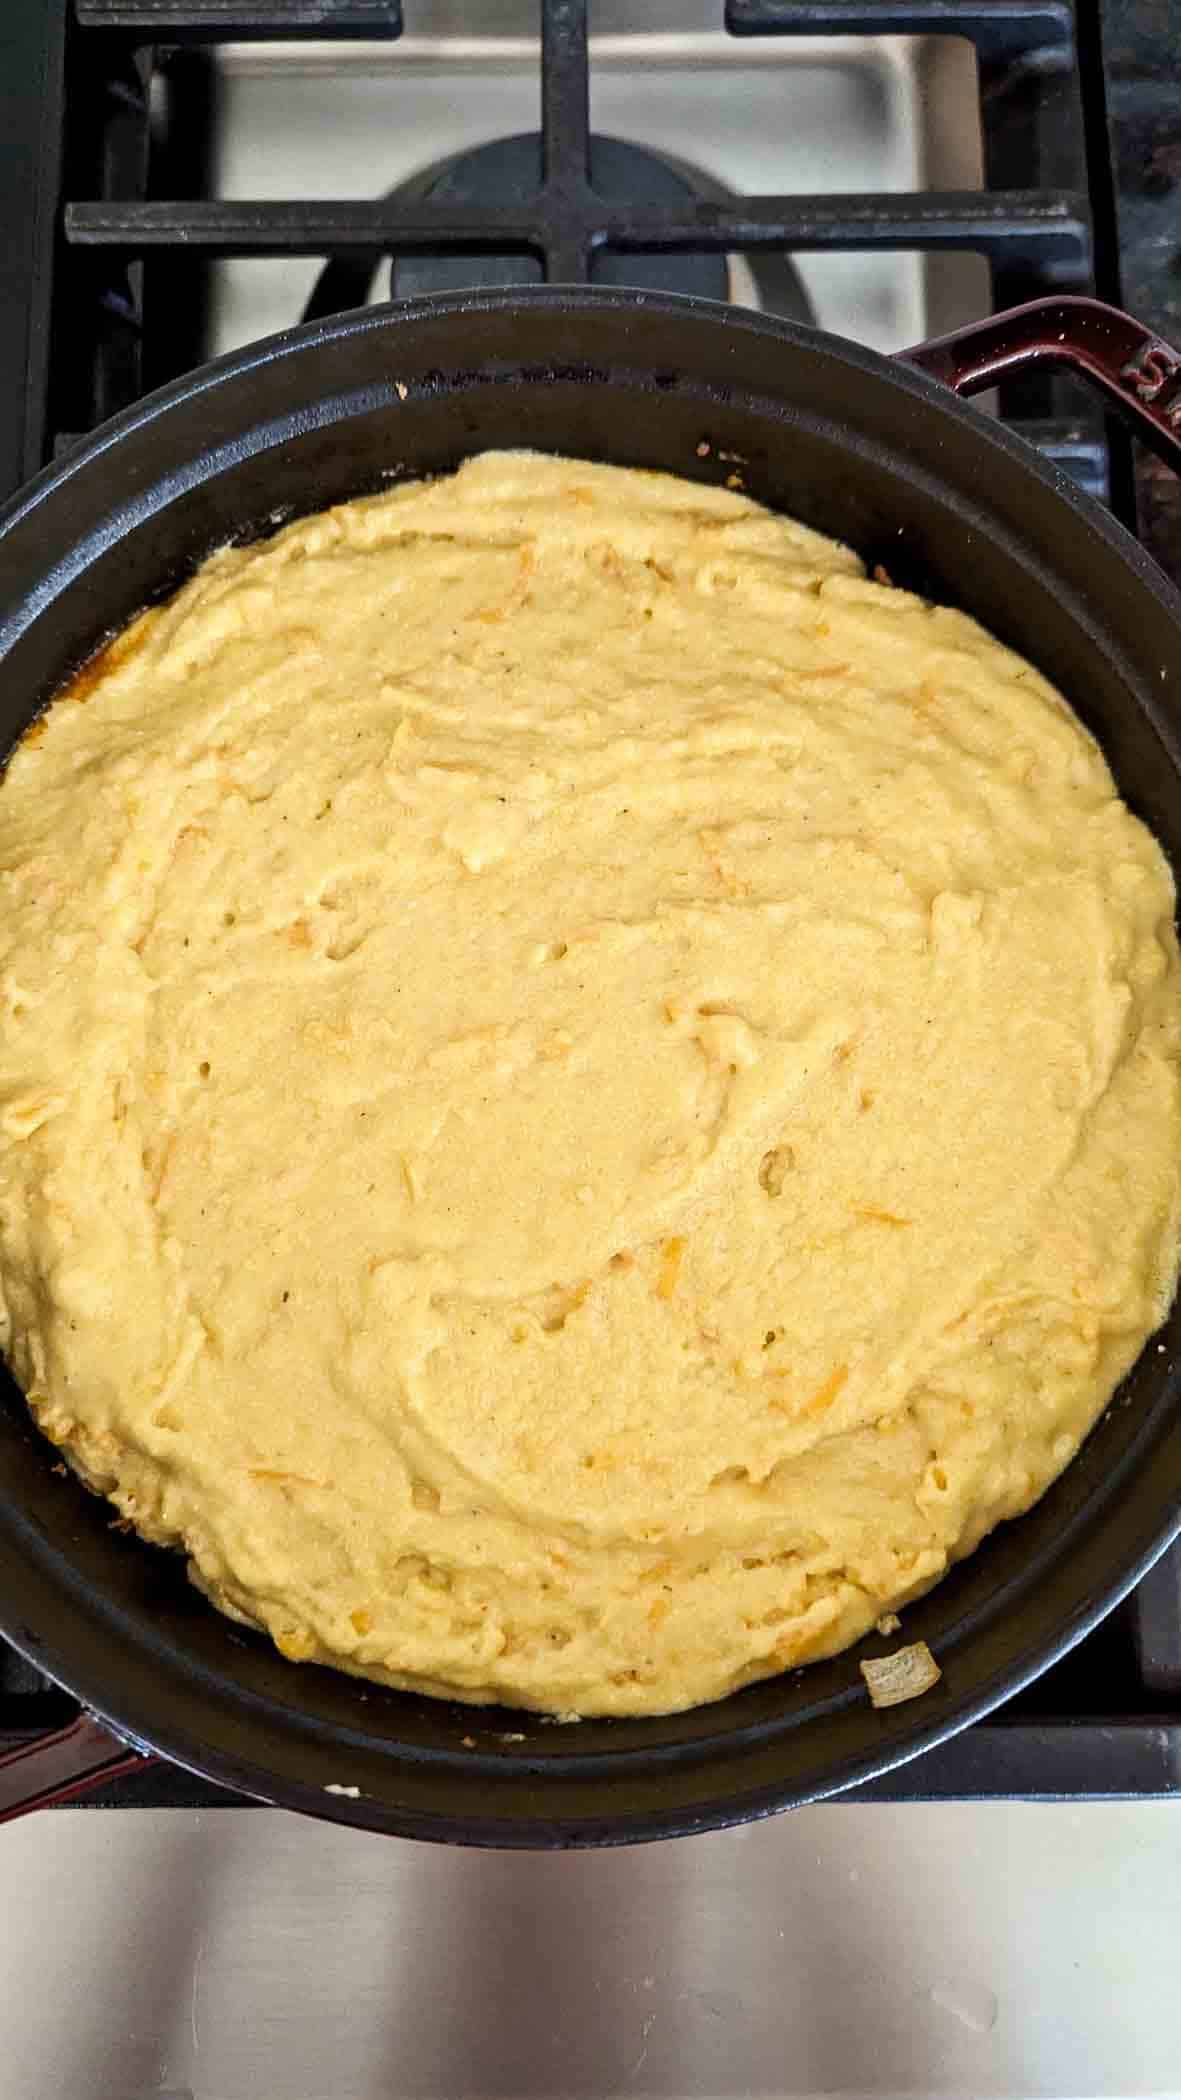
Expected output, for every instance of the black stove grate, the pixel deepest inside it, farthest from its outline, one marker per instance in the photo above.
(106, 226)
(136, 229)
(565, 224)
(1032, 222)
(1003, 31)
(197, 21)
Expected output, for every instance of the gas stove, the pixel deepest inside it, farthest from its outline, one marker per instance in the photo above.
(186, 175)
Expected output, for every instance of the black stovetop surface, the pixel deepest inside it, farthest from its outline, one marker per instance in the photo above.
(1142, 55)
(1082, 130)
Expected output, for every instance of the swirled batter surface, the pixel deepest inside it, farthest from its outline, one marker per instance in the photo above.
(589, 1097)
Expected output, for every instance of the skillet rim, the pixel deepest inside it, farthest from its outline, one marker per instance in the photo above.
(895, 1741)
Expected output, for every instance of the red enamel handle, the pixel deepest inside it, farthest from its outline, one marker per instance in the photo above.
(1139, 373)
(56, 1767)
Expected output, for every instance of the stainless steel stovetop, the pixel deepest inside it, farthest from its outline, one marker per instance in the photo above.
(941, 1952)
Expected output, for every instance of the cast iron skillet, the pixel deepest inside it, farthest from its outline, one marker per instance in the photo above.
(877, 452)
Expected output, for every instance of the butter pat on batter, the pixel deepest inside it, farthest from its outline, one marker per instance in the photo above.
(587, 1096)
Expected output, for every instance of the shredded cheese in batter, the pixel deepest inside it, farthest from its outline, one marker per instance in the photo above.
(587, 1096)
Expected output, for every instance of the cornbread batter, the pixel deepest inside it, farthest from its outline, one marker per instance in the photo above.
(588, 1096)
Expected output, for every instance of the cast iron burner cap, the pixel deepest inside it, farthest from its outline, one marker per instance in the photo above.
(507, 170)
